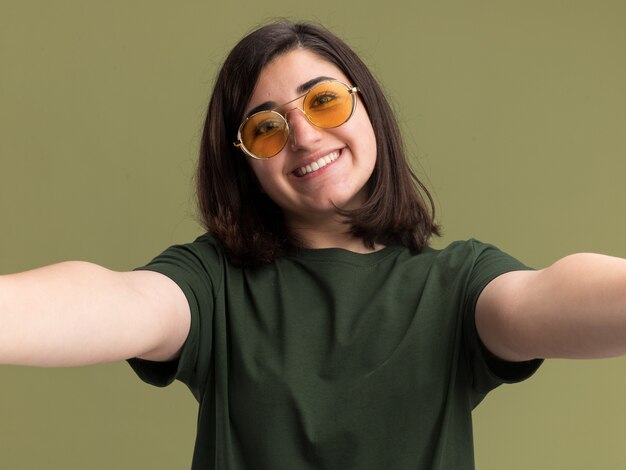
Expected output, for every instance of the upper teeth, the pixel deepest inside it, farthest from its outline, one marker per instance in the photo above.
(316, 165)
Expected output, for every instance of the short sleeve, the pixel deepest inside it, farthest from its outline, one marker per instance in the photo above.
(195, 268)
(487, 370)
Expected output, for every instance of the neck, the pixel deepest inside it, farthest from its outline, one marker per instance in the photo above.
(329, 234)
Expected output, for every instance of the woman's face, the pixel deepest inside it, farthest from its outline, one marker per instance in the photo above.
(306, 196)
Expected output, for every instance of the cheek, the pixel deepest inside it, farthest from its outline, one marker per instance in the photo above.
(364, 130)
(263, 172)
(364, 140)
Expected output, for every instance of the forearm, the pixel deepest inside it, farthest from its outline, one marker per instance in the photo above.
(576, 308)
(74, 313)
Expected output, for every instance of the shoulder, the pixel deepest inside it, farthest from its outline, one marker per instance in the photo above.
(196, 263)
(480, 255)
(463, 253)
(473, 263)
(205, 248)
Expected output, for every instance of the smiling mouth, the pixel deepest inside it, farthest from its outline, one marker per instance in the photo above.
(318, 164)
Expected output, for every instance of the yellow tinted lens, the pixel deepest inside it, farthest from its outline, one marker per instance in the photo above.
(264, 134)
(329, 104)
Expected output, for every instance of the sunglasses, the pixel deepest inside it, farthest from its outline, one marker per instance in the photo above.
(327, 105)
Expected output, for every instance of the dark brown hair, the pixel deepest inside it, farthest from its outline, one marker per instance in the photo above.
(399, 209)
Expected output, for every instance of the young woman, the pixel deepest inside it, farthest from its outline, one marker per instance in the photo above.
(313, 323)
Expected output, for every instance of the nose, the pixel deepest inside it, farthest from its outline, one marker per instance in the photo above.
(302, 134)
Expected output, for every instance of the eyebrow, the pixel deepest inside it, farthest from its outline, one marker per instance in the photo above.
(302, 89)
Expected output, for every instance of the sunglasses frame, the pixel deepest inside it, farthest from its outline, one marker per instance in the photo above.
(352, 91)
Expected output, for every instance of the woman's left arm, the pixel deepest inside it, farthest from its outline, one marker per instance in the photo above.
(575, 308)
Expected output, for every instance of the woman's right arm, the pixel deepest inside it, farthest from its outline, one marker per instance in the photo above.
(78, 313)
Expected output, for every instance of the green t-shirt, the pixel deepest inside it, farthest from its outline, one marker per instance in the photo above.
(328, 359)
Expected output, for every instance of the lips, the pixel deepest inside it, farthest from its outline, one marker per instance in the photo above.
(318, 164)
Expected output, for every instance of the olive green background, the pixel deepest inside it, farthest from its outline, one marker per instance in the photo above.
(515, 112)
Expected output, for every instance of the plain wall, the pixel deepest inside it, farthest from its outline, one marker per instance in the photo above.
(515, 113)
